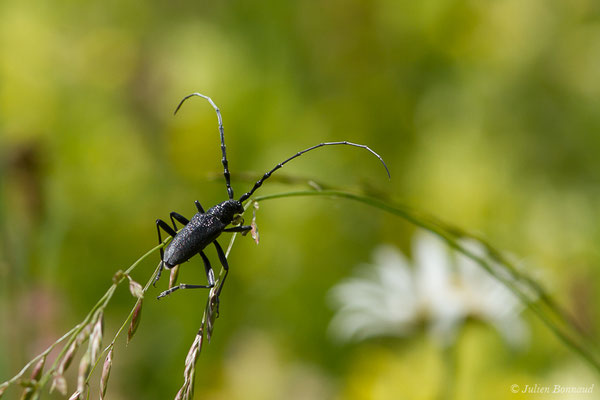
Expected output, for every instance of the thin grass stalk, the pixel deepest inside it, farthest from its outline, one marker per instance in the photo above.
(74, 332)
(546, 309)
(206, 327)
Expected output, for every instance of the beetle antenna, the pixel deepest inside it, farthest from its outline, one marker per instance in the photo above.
(258, 183)
(221, 131)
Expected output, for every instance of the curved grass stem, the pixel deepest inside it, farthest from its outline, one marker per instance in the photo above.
(72, 334)
(525, 288)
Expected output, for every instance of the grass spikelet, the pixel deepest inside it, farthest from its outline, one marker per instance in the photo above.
(106, 373)
(3, 388)
(135, 288)
(36, 374)
(85, 366)
(173, 276)
(96, 338)
(76, 395)
(59, 383)
(135, 320)
(254, 231)
(186, 391)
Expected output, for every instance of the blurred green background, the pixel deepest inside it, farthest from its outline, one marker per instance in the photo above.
(486, 113)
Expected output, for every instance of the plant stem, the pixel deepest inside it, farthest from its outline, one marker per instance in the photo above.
(452, 236)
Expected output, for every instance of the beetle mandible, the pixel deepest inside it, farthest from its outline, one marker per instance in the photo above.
(205, 227)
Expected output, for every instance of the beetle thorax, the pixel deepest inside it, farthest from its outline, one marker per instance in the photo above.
(226, 210)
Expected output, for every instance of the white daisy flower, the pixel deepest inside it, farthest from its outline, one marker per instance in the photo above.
(442, 289)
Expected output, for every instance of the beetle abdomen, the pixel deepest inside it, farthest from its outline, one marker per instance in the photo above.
(201, 231)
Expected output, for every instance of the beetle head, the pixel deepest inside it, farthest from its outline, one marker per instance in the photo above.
(227, 210)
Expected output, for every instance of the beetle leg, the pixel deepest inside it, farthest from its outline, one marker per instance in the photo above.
(176, 216)
(241, 228)
(199, 207)
(162, 224)
(182, 286)
(209, 275)
(225, 265)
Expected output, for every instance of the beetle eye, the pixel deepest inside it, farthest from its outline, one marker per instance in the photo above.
(237, 220)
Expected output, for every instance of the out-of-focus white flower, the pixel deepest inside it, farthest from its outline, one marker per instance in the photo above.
(442, 289)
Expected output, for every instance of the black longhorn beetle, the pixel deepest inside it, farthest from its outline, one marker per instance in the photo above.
(205, 227)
